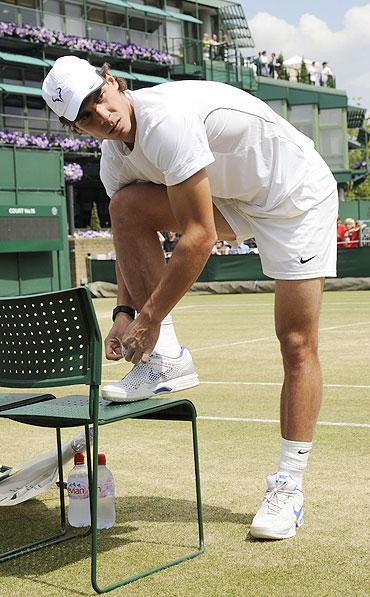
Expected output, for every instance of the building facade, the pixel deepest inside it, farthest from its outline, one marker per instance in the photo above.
(146, 43)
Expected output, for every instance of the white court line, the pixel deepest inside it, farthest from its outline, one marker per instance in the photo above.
(252, 306)
(263, 338)
(273, 383)
(246, 306)
(245, 420)
(250, 341)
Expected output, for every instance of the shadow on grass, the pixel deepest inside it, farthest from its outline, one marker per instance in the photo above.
(33, 520)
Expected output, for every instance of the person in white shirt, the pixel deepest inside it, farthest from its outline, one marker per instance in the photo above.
(209, 161)
(314, 71)
(326, 72)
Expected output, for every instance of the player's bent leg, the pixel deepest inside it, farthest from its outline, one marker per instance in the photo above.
(297, 306)
(138, 212)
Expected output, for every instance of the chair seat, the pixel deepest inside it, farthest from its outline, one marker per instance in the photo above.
(8, 401)
(73, 411)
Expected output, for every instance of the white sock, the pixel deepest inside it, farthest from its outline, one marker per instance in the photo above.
(167, 343)
(294, 458)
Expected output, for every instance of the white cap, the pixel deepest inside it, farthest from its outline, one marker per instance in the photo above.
(68, 83)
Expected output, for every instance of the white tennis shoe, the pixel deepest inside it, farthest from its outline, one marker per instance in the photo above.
(281, 512)
(161, 375)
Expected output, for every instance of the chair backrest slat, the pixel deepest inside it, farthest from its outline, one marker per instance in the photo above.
(49, 339)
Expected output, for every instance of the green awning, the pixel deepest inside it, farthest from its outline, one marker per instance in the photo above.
(215, 3)
(119, 3)
(22, 59)
(20, 89)
(183, 17)
(122, 73)
(147, 8)
(150, 78)
(159, 12)
(342, 175)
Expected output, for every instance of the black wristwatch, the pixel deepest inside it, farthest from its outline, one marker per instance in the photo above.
(123, 309)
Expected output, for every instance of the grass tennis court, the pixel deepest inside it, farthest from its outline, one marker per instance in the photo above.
(237, 356)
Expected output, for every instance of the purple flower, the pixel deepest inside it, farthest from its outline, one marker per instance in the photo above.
(51, 38)
(72, 172)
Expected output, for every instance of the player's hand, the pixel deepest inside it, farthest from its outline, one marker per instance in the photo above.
(139, 340)
(113, 347)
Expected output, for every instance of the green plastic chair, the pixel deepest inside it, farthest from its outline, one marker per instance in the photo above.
(53, 339)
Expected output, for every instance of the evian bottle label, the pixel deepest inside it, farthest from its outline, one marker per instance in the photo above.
(78, 490)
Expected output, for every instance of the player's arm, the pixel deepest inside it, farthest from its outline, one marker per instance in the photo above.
(121, 322)
(191, 204)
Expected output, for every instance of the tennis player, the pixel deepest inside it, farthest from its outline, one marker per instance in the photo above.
(209, 161)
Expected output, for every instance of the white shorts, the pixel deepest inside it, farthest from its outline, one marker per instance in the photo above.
(295, 248)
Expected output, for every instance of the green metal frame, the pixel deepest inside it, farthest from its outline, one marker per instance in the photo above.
(84, 347)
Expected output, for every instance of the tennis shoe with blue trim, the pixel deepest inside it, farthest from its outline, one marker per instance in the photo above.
(281, 512)
(161, 375)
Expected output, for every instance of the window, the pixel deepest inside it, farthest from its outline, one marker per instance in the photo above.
(96, 14)
(117, 34)
(277, 106)
(54, 22)
(22, 12)
(37, 115)
(96, 31)
(8, 14)
(301, 117)
(75, 24)
(54, 124)
(33, 77)
(332, 140)
(114, 18)
(11, 75)
(13, 109)
(53, 6)
(64, 16)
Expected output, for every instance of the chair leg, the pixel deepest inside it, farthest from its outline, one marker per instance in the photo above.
(61, 481)
(189, 556)
(197, 486)
(61, 535)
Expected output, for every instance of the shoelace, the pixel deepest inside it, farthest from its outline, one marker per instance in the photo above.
(277, 498)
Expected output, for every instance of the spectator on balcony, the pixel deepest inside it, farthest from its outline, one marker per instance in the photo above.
(314, 73)
(214, 47)
(274, 66)
(264, 64)
(257, 63)
(224, 48)
(341, 229)
(205, 45)
(351, 235)
(326, 74)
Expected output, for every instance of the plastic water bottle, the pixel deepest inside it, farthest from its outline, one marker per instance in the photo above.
(106, 509)
(78, 493)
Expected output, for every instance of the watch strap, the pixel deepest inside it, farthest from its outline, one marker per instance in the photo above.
(123, 309)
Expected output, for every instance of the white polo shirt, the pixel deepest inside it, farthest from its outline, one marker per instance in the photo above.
(251, 154)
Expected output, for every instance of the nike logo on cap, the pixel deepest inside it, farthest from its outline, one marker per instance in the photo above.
(309, 259)
(303, 451)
